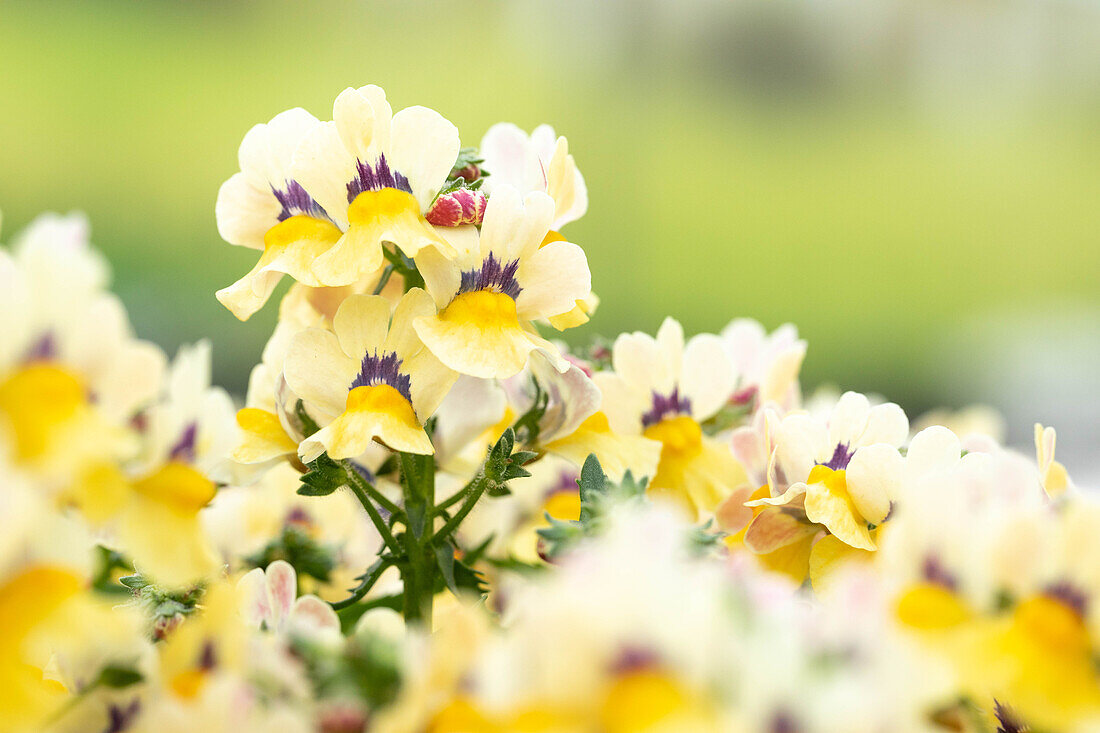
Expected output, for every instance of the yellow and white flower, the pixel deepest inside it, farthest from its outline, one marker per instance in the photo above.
(375, 377)
(376, 174)
(536, 162)
(501, 280)
(263, 207)
(663, 389)
(843, 473)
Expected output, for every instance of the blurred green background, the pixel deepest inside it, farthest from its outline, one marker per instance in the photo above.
(906, 181)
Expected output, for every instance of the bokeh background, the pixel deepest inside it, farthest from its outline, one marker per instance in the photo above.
(914, 183)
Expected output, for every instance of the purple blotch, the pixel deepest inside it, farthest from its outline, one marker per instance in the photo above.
(840, 459)
(295, 200)
(493, 276)
(368, 178)
(664, 406)
(184, 449)
(384, 369)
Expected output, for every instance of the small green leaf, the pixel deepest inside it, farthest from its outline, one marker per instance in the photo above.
(324, 477)
(119, 677)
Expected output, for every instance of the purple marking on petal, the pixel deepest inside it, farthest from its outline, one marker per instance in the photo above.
(632, 658)
(184, 449)
(375, 178)
(208, 660)
(934, 572)
(44, 349)
(783, 723)
(666, 406)
(295, 200)
(840, 459)
(120, 719)
(1070, 595)
(385, 369)
(493, 276)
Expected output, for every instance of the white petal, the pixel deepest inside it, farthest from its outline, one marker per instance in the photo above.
(553, 279)
(707, 377)
(874, 479)
(514, 227)
(504, 149)
(886, 424)
(800, 442)
(323, 167)
(849, 418)
(423, 147)
(245, 213)
(255, 602)
(361, 324)
(282, 585)
(932, 450)
(318, 370)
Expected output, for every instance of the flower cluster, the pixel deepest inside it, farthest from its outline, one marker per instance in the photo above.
(427, 516)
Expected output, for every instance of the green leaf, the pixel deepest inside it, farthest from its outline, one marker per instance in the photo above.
(324, 477)
(445, 558)
(118, 677)
(309, 425)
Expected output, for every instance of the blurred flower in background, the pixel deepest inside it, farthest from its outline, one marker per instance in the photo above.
(913, 183)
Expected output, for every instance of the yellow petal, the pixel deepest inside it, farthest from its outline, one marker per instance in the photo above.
(262, 437)
(929, 606)
(478, 334)
(829, 554)
(617, 452)
(374, 412)
(828, 503)
(36, 401)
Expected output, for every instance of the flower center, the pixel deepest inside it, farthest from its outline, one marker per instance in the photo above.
(300, 228)
(37, 399)
(833, 480)
(384, 204)
(929, 606)
(485, 308)
(679, 435)
(1053, 623)
(382, 398)
(179, 486)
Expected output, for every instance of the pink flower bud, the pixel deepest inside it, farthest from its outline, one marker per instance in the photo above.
(462, 206)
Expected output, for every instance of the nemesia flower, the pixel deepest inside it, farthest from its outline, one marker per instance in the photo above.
(375, 376)
(502, 278)
(539, 162)
(376, 174)
(766, 365)
(263, 207)
(842, 473)
(663, 390)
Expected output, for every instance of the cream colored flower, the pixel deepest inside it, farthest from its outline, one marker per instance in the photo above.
(501, 280)
(539, 162)
(263, 207)
(663, 389)
(843, 472)
(376, 377)
(376, 174)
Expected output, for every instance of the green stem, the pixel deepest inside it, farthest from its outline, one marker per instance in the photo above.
(473, 492)
(357, 484)
(418, 487)
(370, 577)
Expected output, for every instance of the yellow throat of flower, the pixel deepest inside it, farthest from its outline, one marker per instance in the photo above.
(680, 436)
(36, 400)
(299, 228)
(387, 204)
(177, 486)
(484, 308)
(1052, 624)
(384, 399)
